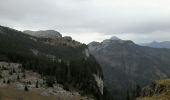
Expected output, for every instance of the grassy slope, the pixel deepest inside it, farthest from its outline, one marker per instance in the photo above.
(9, 93)
(163, 95)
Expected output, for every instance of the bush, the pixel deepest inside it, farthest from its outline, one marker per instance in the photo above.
(36, 84)
(26, 88)
(4, 81)
(8, 82)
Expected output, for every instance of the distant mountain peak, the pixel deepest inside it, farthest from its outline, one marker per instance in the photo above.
(156, 44)
(114, 38)
(154, 41)
(94, 43)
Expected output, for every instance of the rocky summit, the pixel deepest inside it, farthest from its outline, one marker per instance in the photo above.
(44, 33)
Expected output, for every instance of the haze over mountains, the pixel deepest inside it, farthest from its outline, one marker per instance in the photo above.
(155, 44)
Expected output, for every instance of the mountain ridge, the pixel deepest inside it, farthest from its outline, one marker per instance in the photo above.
(155, 44)
(127, 65)
(68, 65)
(44, 33)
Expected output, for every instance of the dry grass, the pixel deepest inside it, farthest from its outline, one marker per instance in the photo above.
(165, 95)
(157, 97)
(163, 82)
(9, 93)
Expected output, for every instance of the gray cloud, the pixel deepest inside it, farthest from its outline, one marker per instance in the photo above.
(102, 17)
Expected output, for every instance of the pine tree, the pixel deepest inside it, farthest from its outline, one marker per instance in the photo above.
(24, 76)
(10, 72)
(8, 82)
(1, 76)
(26, 88)
(138, 90)
(13, 70)
(127, 95)
(36, 84)
(4, 81)
(18, 78)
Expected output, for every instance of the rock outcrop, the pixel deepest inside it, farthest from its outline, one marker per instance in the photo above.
(44, 33)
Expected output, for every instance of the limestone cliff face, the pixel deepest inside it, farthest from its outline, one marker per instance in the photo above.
(126, 64)
(100, 83)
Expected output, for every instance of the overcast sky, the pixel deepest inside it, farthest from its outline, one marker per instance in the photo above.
(91, 20)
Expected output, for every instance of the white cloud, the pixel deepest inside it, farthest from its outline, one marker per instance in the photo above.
(92, 19)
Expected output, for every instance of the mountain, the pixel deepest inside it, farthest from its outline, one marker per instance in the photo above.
(127, 66)
(53, 38)
(157, 90)
(114, 38)
(155, 44)
(44, 33)
(68, 63)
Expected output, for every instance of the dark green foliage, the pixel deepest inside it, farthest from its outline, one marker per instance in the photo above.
(24, 75)
(4, 81)
(10, 72)
(8, 82)
(18, 78)
(137, 91)
(29, 82)
(13, 70)
(50, 81)
(36, 85)
(1, 76)
(107, 95)
(4, 68)
(128, 95)
(26, 88)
